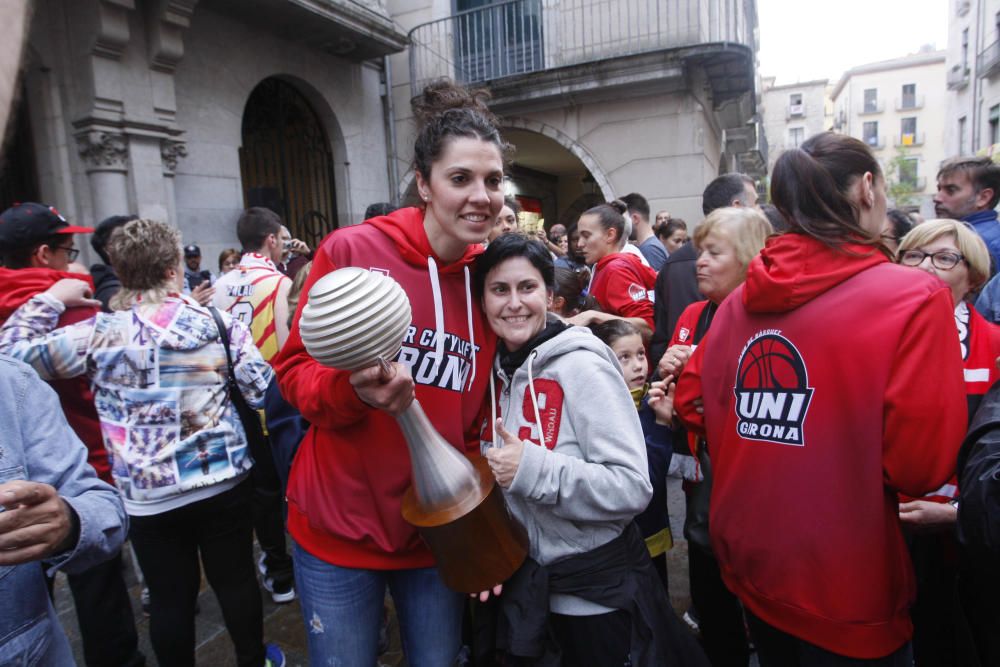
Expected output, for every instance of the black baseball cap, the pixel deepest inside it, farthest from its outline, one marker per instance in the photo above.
(26, 224)
(192, 251)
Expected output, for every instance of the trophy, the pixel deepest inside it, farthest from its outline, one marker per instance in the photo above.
(356, 319)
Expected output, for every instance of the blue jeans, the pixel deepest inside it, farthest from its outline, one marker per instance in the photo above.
(342, 609)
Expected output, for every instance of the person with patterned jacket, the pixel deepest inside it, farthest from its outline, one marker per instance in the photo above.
(178, 450)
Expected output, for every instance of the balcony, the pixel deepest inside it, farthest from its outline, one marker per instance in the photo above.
(546, 49)
(869, 109)
(958, 77)
(988, 61)
(908, 140)
(795, 111)
(910, 103)
(356, 30)
(749, 144)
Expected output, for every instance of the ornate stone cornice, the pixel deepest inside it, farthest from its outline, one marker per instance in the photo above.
(167, 21)
(171, 151)
(112, 27)
(103, 151)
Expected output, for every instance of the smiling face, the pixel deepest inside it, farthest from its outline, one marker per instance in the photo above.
(464, 195)
(631, 355)
(718, 268)
(506, 223)
(594, 241)
(514, 299)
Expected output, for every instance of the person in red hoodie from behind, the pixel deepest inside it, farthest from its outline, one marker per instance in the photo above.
(830, 382)
(349, 475)
(621, 283)
(37, 248)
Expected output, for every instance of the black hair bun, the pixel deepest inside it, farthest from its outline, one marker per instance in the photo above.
(443, 95)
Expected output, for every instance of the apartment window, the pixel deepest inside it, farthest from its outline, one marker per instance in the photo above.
(965, 50)
(909, 100)
(796, 135)
(995, 124)
(908, 172)
(795, 99)
(961, 136)
(869, 131)
(908, 131)
(871, 100)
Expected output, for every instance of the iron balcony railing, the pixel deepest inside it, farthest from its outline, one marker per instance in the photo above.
(523, 36)
(958, 77)
(988, 61)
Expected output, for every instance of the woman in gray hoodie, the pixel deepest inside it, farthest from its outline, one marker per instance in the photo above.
(567, 449)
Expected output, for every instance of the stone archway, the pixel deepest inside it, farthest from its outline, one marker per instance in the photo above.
(286, 161)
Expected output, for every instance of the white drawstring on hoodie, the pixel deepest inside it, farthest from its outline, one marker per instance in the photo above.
(432, 271)
(534, 403)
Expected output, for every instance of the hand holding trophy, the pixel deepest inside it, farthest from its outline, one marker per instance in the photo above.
(357, 319)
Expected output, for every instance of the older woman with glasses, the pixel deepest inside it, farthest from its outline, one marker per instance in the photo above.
(953, 252)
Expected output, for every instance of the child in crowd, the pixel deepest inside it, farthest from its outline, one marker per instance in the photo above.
(655, 414)
(570, 295)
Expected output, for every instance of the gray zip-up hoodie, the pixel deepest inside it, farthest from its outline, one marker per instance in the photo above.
(590, 479)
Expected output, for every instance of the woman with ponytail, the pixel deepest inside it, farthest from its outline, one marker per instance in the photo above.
(346, 486)
(829, 383)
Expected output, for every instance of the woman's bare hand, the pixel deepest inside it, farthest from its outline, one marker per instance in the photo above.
(505, 460)
(390, 389)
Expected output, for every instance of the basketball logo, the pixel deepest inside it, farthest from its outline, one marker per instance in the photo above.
(772, 390)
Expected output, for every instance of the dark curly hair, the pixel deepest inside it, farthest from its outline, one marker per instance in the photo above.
(445, 110)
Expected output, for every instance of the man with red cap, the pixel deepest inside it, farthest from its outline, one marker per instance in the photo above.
(37, 248)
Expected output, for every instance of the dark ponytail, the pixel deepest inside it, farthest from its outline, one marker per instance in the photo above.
(810, 186)
(610, 216)
(445, 110)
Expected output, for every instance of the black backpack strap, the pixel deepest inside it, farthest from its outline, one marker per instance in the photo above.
(224, 337)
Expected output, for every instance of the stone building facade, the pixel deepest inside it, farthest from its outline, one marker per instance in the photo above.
(794, 112)
(601, 98)
(897, 107)
(149, 107)
(190, 110)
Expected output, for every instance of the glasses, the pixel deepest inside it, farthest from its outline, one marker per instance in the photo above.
(942, 259)
(71, 252)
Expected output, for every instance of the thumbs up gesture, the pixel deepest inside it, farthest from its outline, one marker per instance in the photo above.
(504, 460)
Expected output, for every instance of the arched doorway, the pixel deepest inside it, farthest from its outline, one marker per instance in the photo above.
(286, 162)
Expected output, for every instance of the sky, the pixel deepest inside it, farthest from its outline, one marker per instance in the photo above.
(802, 40)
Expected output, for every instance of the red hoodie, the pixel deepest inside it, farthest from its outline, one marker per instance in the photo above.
(831, 382)
(347, 482)
(624, 286)
(75, 396)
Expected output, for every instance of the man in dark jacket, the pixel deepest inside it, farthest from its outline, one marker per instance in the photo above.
(106, 283)
(676, 285)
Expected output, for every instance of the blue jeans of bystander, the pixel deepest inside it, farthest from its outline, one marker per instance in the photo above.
(342, 610)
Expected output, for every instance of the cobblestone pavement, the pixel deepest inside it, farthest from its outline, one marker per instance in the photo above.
(283, 623)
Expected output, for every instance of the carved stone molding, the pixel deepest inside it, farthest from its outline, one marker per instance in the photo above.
(167, 21)
(112, 28)
(172, 151)
(103, 151)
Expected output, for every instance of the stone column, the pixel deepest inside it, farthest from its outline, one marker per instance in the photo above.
(105, 156)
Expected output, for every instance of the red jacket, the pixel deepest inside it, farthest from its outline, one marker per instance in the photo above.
(347, 482)
(75, 396)
(831, 382)
(624, 286)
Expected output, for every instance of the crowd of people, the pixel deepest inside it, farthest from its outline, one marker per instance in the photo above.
(794, 364)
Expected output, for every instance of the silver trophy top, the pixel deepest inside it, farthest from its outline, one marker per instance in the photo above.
(353, 318)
